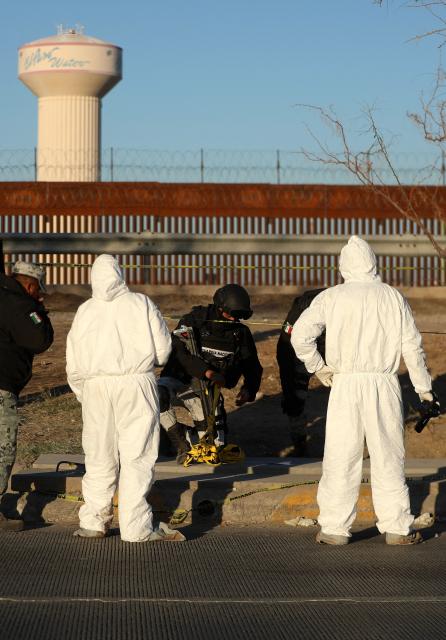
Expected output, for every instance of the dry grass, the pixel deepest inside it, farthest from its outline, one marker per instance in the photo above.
(55, 426)
(49, 426)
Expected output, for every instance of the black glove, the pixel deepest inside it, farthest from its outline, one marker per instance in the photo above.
(429, 408)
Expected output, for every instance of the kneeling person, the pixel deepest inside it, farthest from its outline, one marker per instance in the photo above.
(226, 353)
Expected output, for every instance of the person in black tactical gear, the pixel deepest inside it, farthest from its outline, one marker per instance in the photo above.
(25, 330)
(293, 375)
(227, 352)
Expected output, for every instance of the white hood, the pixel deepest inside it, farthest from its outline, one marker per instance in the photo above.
(107, 282)
(115, 332)
(358, 262)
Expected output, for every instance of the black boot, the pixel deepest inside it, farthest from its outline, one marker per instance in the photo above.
(197, 431)
(7, 524)
(177, 436)
(300, 446)
(165, 448)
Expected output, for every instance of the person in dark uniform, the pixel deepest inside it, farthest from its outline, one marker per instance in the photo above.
(294, 377)
(25, 330)
(226, 353)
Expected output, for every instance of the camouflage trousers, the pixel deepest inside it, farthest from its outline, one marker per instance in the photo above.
(9, 421)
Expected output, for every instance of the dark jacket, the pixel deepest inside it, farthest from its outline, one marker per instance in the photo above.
(227, 347)
(25, 330)
(293, 374)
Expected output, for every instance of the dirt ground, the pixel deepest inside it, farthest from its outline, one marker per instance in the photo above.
(54, 425)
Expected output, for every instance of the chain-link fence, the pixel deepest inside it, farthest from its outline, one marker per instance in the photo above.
(212, 166)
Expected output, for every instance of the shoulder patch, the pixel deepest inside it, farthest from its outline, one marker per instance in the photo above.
(35, 317)
(287, 328)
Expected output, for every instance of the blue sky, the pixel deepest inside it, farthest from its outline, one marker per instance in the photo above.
(227, 74)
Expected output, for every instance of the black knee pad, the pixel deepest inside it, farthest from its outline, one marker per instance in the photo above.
(164, 398)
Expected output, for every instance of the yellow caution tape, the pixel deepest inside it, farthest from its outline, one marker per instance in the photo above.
(220, 267)
(280, 324)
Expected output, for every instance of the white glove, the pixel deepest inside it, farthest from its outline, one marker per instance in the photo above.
(427, 396)
(325, 375)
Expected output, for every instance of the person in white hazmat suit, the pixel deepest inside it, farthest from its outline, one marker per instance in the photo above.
(369, 326)
(116, 339)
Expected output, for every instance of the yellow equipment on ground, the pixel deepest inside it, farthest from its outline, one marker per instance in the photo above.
(206, 451)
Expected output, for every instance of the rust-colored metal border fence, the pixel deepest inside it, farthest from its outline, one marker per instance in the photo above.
(328, 210)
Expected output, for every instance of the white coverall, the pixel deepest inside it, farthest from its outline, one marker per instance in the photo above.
(369, 326)
(116, 339)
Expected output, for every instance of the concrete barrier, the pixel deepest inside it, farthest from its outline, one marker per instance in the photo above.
(260, 490)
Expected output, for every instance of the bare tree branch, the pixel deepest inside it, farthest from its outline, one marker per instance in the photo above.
(432, 119)
(368, 165)
(364, 165)
(436, 8)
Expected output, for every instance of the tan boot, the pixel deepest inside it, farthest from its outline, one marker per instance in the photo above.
(89, 533)
(414, 537)
(329, 538)
(163, 533)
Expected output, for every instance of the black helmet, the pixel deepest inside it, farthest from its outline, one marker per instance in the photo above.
(233, 299)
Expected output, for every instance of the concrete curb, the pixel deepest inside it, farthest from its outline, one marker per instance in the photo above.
(259, 491)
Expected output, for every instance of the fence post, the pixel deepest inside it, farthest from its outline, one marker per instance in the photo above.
(278, 165)
(202, 165)
(111, 164)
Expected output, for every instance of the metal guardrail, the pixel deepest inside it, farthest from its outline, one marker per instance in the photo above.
(146, 244)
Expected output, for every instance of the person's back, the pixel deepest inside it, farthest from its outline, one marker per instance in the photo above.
(369, 326)
(364, 330)
(115, 341)
(117, 332)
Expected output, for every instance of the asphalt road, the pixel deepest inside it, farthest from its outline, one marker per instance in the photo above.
(231, 583)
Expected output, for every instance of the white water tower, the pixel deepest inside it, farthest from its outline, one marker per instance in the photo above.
(69, 73)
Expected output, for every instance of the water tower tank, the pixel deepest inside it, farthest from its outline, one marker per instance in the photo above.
(69, 73)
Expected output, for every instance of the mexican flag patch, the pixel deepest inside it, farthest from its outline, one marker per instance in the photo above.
(35, 317)
(288, 328)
